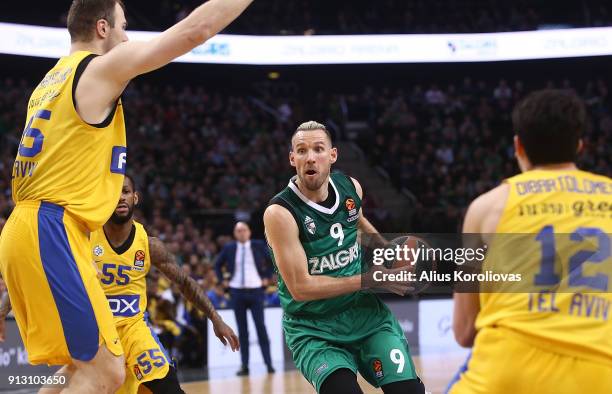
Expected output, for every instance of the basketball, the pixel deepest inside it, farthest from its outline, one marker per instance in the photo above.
(305, 197)
(407, 245)
(410, 251)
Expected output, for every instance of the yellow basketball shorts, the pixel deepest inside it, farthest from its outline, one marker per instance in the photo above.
(502, 363)
(145, 357)
(59, 306)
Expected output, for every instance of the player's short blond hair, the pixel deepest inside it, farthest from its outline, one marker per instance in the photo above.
(312, 125)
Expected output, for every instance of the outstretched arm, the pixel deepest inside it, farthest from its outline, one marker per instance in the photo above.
(109, 74)
(163, 260)
(132, 58)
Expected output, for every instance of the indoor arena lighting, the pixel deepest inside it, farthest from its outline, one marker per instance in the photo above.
(345, 49)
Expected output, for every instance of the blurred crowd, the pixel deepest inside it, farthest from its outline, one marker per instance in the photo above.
(203, 159)
(447, 144)
(281, 17)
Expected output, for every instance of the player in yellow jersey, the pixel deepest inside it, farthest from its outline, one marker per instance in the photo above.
(552, 332)
(66, 181)
(124, 253)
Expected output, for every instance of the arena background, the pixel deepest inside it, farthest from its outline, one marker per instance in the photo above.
(208, 146)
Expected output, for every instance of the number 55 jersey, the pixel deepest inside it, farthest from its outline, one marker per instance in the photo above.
(123, 272)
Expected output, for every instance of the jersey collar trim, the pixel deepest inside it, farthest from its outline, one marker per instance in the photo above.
(313, 204)
(126, 245)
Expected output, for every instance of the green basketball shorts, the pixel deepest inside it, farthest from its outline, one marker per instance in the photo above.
(366, 338)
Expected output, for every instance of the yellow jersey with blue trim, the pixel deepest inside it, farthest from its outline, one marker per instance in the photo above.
(64, 160)
(123, 272)
(555, 232)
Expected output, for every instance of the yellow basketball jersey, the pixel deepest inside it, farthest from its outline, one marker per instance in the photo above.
(554, 231)
(124, 272)
(62, 159)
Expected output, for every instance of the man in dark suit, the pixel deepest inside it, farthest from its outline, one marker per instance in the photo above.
(248, 268)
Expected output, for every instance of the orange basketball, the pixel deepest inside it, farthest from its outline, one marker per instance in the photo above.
(406, 257)
(411, 253)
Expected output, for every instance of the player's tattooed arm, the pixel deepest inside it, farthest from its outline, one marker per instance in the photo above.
(5, 308)
(162, 259)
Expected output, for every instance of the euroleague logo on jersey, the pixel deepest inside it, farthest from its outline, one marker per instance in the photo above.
(98, 250)
(137, 372)
(139, 260)
(378, 369)
(351, 207)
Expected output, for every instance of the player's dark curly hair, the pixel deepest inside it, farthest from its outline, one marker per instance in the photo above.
(84, 14)
(549, 124)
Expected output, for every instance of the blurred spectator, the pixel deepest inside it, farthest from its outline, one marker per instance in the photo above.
(244, 266)
(502, 91)
(218, 297)
(435, 96)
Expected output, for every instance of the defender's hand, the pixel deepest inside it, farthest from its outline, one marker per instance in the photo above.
(225, 333)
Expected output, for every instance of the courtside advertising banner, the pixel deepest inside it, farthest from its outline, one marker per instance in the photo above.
(220, 356)
(50, 42)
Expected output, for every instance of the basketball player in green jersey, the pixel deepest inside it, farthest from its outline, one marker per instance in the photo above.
(332, 327)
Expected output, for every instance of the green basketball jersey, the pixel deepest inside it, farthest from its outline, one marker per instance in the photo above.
(329, 238)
